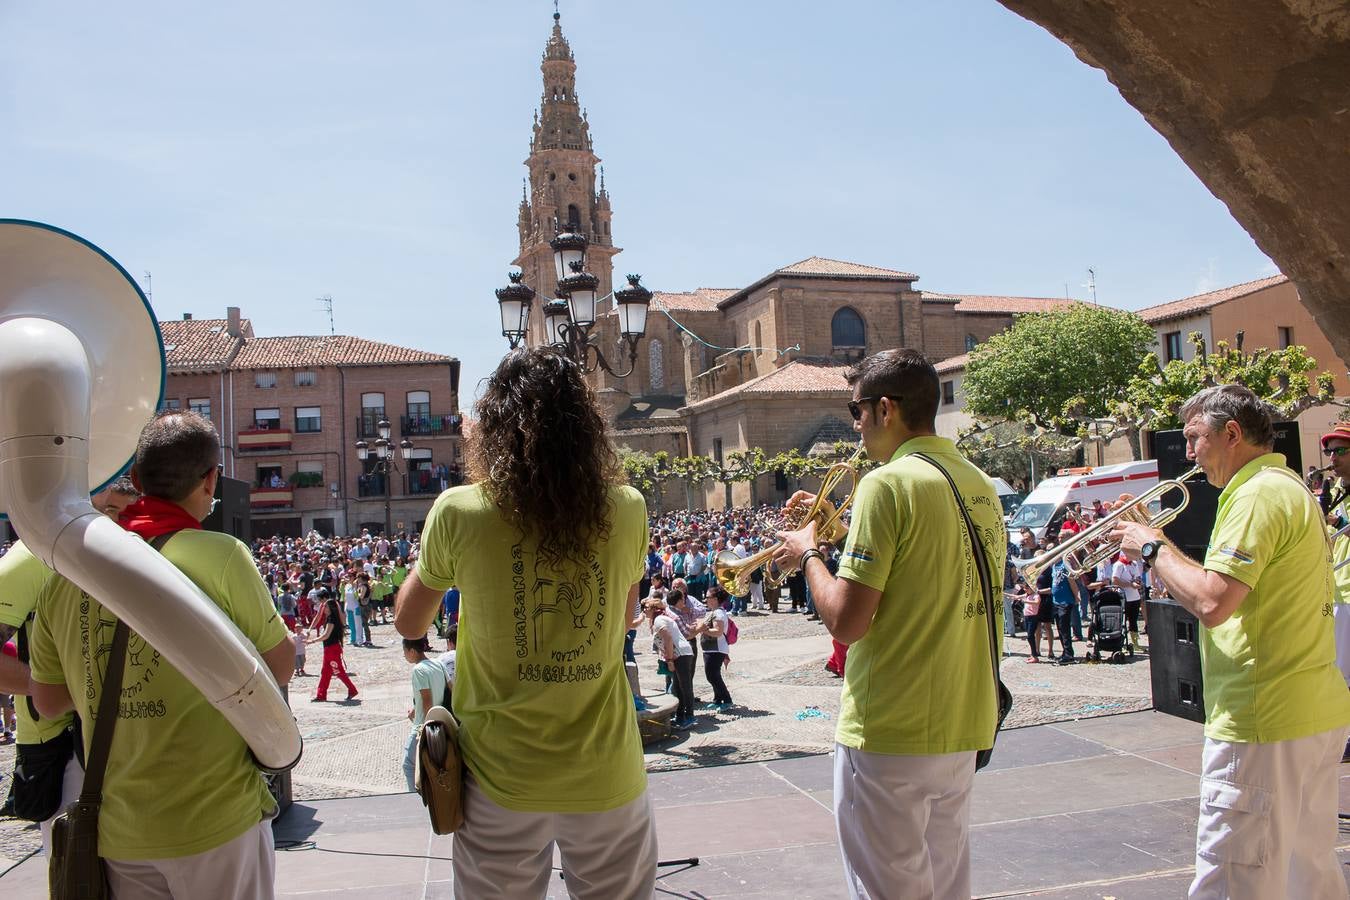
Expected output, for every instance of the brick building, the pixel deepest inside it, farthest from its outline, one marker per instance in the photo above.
(728, 369)
(291, 409)
(1266, 313)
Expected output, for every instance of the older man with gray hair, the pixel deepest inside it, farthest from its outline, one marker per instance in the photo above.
(1277, 710)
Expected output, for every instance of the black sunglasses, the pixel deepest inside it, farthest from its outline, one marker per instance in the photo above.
(1337, 452)
(855, 409)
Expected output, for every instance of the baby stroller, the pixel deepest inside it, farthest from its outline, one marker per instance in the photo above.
(1107, 629)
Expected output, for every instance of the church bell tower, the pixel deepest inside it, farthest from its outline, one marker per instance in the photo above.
(561, 191)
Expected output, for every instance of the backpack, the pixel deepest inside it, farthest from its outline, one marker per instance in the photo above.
(732, 631)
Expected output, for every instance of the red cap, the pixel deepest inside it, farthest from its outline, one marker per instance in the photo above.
(1342, 431)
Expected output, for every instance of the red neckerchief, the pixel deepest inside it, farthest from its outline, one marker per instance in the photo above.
(150, 517)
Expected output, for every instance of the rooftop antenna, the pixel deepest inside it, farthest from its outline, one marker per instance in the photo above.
(326, 301)
(149, 291)
(1092, 284)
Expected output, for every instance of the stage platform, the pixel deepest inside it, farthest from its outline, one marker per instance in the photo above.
(1098, 808)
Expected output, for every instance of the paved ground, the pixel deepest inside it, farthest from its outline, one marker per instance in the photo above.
(1116, 795)
(786, 707)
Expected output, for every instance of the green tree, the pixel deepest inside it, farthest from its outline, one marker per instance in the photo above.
(1016, 452)
(1057, 370)
(1280, 377)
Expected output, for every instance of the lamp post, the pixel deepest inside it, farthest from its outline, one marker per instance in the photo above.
(385, 462)
(570, 318)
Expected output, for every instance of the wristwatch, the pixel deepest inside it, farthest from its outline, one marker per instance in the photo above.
(808, 554)
(1149, 551)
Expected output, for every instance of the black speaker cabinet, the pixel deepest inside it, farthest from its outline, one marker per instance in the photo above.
(1174, 660)
(232, 512)
(1190, 531)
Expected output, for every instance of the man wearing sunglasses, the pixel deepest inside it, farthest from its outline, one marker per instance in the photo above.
(918, 698)
(1336, 445)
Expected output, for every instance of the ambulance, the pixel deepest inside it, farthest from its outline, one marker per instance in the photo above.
(1045, 507)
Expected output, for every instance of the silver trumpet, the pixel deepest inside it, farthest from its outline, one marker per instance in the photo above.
(1077, 550)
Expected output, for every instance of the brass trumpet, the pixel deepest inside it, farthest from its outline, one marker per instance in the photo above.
(733, 573)
(1081, 558)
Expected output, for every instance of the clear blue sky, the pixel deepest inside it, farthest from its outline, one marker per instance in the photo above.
(262, 155)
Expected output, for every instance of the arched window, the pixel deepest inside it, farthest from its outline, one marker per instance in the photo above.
(656, 366)
(971, 341)
(573, 216)
(847, 330)
(759, 336)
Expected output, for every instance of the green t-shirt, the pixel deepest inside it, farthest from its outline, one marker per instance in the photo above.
(1270, 670)
(180, 779)
(1340, 552)
(22, 576)
(546, 713)
(921, 681)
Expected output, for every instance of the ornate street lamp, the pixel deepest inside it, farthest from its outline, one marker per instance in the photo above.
(514, 301)
(570, 318)
(386, 463)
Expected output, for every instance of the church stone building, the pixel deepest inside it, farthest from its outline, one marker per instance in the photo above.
(729, 369)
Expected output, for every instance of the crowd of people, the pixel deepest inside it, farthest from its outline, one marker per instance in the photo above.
(1065, 595)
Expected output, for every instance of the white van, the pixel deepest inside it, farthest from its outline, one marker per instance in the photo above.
(1044, 507)
(1008, 496)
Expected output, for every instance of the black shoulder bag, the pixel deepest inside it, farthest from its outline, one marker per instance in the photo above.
(40, 769)
(76, 871)
(1001, 692)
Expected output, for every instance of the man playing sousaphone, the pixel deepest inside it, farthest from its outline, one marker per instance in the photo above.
(1276, 707)
(185, 811)
(919, 697)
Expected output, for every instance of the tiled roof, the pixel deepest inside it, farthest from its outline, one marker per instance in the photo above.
(819, 265)
(200, 344)
(1190, 306)
(326, 350)
(797, 377)
(701, 299)
(985, 303)
(952, 364)
(831, 430)
(652, 406)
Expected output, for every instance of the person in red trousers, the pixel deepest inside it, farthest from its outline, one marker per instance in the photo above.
(332, 653)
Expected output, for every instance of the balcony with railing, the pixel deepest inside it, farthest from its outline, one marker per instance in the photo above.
(368, 424)
(429, 425)
(369, 486)
(271, 497)
(253, 440)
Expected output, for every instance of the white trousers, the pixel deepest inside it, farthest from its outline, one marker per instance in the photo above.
(241, 869)
(1342, 620)
(508, 855)
(757, 595)
(1268, 820)
(904, 824)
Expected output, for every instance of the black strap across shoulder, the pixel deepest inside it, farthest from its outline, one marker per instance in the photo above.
(981, 564)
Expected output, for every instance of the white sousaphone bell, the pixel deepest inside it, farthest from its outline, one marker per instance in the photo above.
(81, 373)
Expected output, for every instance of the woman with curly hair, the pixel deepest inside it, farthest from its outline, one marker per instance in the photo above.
(547, 549)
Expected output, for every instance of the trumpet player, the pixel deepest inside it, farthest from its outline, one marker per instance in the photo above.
(918, 698)
(1276, 708)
